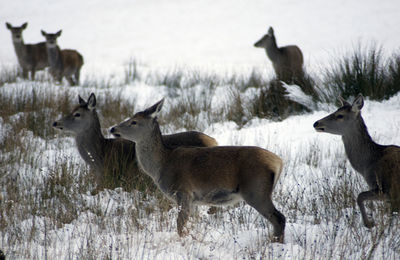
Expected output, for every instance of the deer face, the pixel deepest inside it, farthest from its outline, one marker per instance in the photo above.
(80, 119)
(342, 120)
(266, 39)
(16, 32)
(51, 38)
(140, 126)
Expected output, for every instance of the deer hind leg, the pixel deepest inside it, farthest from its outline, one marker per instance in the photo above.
(267, 209)
(70, 80)
(262, 202)
(184, 204)
(363, 196)
(77, 76)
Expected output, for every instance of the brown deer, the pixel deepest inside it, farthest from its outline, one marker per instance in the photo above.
(31, 57)
(204, 175)
(113, 161)
(63, 63)
(287, 61)
(378, 164)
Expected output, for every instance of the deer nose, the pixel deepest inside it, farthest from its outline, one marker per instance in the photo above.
(316, 124)
(54, 124)
(112, 130)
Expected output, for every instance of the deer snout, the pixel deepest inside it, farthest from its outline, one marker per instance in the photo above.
(318, 127)
(57, 125)
(113, 131)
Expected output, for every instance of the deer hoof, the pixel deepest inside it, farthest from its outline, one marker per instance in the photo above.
(369, 224)
(183, 232)
(278, 239)
(212, 210)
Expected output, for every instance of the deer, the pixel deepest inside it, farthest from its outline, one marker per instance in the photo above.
(63, 63)
(113, 161)
(213, 176)
(287, 61)
(378, 164)
(31, 57)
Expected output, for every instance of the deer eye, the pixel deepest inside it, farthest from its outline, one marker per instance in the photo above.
(77, 115)
(133, 122)
(339, 116)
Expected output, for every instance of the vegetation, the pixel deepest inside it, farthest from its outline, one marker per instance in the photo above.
(46, 185)
(367, 71)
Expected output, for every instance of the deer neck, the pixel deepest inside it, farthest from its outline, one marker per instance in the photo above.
(20, 49)
(361, 150)
(54, 56)
(272, 49)
(151, 153)
(90, 143)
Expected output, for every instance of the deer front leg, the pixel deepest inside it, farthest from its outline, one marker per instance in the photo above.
(363, 196)
(184, 204)
(25, 73)
(33, 74)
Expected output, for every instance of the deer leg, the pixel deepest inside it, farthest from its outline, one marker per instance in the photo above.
(70, 81)
(77, 75)
(25, 73)
(33, 74)
(184, 204)
(363, 196)
(264, 205)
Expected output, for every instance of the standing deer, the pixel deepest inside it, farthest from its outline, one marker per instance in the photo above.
(113, 161)
(63, 63)
(378, 164)
(31, 57)
(207, 175)
(287, 61)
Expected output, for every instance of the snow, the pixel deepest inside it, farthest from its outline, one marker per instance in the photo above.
(212, 36)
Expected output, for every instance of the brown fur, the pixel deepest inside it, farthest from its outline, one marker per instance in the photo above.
(209, 176)
(287, 61)
(63, 63)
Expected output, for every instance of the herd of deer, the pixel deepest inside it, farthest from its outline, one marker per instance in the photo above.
(33, 57)
(189, 167)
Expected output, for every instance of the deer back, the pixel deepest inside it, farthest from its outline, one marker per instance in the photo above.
(221, 167)
(292, 58)
(71, 60)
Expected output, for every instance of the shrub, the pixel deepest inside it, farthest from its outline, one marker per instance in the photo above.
(365, 71)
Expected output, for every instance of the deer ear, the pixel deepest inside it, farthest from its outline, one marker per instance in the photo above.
(24, 26)
(358, 103)
(92, 102)
(82, 102)
(343, 101)
(43, 33)
(8, 26)
(271, 31)
(155, 109)
(59, 33)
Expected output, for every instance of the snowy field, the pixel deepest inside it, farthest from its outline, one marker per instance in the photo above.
(316, 192)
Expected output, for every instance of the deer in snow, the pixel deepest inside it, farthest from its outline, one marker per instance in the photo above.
(378, 164)
(113, 161)
(287, 61)
(31, 57)
(63, 63)
(204, 175)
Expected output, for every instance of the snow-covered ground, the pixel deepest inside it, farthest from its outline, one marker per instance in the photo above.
(213, 36)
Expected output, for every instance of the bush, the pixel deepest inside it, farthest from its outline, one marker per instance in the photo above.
(273, 103)
(365, 71)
